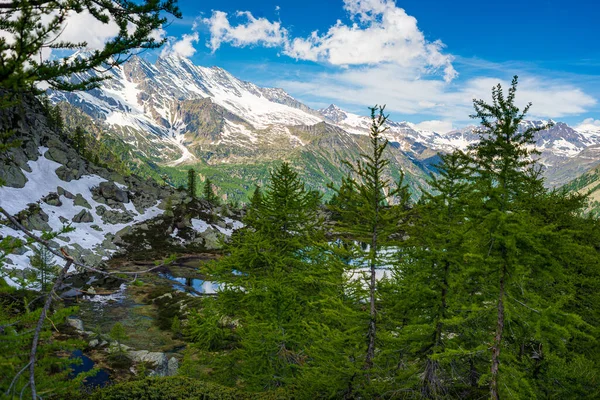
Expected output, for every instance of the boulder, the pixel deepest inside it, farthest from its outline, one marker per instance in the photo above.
(83, 216)
(81, 201)
(63, 219)
(109, 190)
(37, 222)
(76, 323)
(56, 154)
(172, 366)
(52, 199)
(156, 359)
(65, 174)
(63, 192)
(12, 176)
(116, 217)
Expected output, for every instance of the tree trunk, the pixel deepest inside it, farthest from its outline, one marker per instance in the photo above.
(495, 395)
(40, 324)
(372, 332)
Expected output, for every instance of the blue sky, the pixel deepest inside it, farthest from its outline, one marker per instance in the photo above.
(425, 59)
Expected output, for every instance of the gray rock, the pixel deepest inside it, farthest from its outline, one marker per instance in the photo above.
(157, 359)
(83, 216)
(65, 174)
(93, 343)
(38, 222)
(63, 192)
(109, 190)
(52, 199)
(63, 219)
(211, 239)
(96, 228)
(116, 217)
(12, 176)
(81, 201)
(172, 366)
(76, 323)
(56, 154)
(113, 347)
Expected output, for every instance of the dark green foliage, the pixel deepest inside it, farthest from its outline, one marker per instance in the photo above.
(208, 192)
(79, 141)
(177, 388)
(45, 269)
(19, 313)
(269, 330)
(370, 211)
(27, 22)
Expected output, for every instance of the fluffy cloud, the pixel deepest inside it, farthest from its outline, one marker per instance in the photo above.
(436, 126)
(589, 124)
(381, 33)
(379, 55)
(391, 85)
(183, 47)
(378, 32)
(250, 32)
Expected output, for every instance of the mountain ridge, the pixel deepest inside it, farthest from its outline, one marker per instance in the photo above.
(181, 114)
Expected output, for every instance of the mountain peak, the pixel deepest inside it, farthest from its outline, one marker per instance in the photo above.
(333, 113)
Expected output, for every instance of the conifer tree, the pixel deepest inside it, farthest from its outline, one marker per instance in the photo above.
(421, 297)
(79, 142)
(32, 27)
(45, 269)
(276, 280)
(362, 205)
(192, 183)
(208, 192)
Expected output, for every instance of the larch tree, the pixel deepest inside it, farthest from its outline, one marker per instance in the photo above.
(275, 281)
(369, 210)
(192, 183)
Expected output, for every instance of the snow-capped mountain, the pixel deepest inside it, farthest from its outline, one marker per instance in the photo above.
(565, 151)
(176, 112)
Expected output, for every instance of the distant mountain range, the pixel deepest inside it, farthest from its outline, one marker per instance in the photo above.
(176, 114)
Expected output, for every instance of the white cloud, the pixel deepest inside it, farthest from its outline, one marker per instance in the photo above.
(158, 34)
(251, 32)
(379, 55)
(392, 85)
(589, 125)
(436, 126)
(183, 47)
(381, 33)
(83, 27)
(378, 32)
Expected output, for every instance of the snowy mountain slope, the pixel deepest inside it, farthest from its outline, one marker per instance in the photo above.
(48, 184)
(144, 96)
(179, 113)
(565, 151)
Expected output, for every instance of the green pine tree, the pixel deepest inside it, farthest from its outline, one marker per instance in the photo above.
(277, 283)
(363, 207)
(44, 268)
(208, 192)
(192, 183)
(36, 25)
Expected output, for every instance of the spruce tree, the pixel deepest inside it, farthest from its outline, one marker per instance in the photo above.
(33, 26)
(365, 215)
(276, 281)
(208, 192)
(192, 183)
